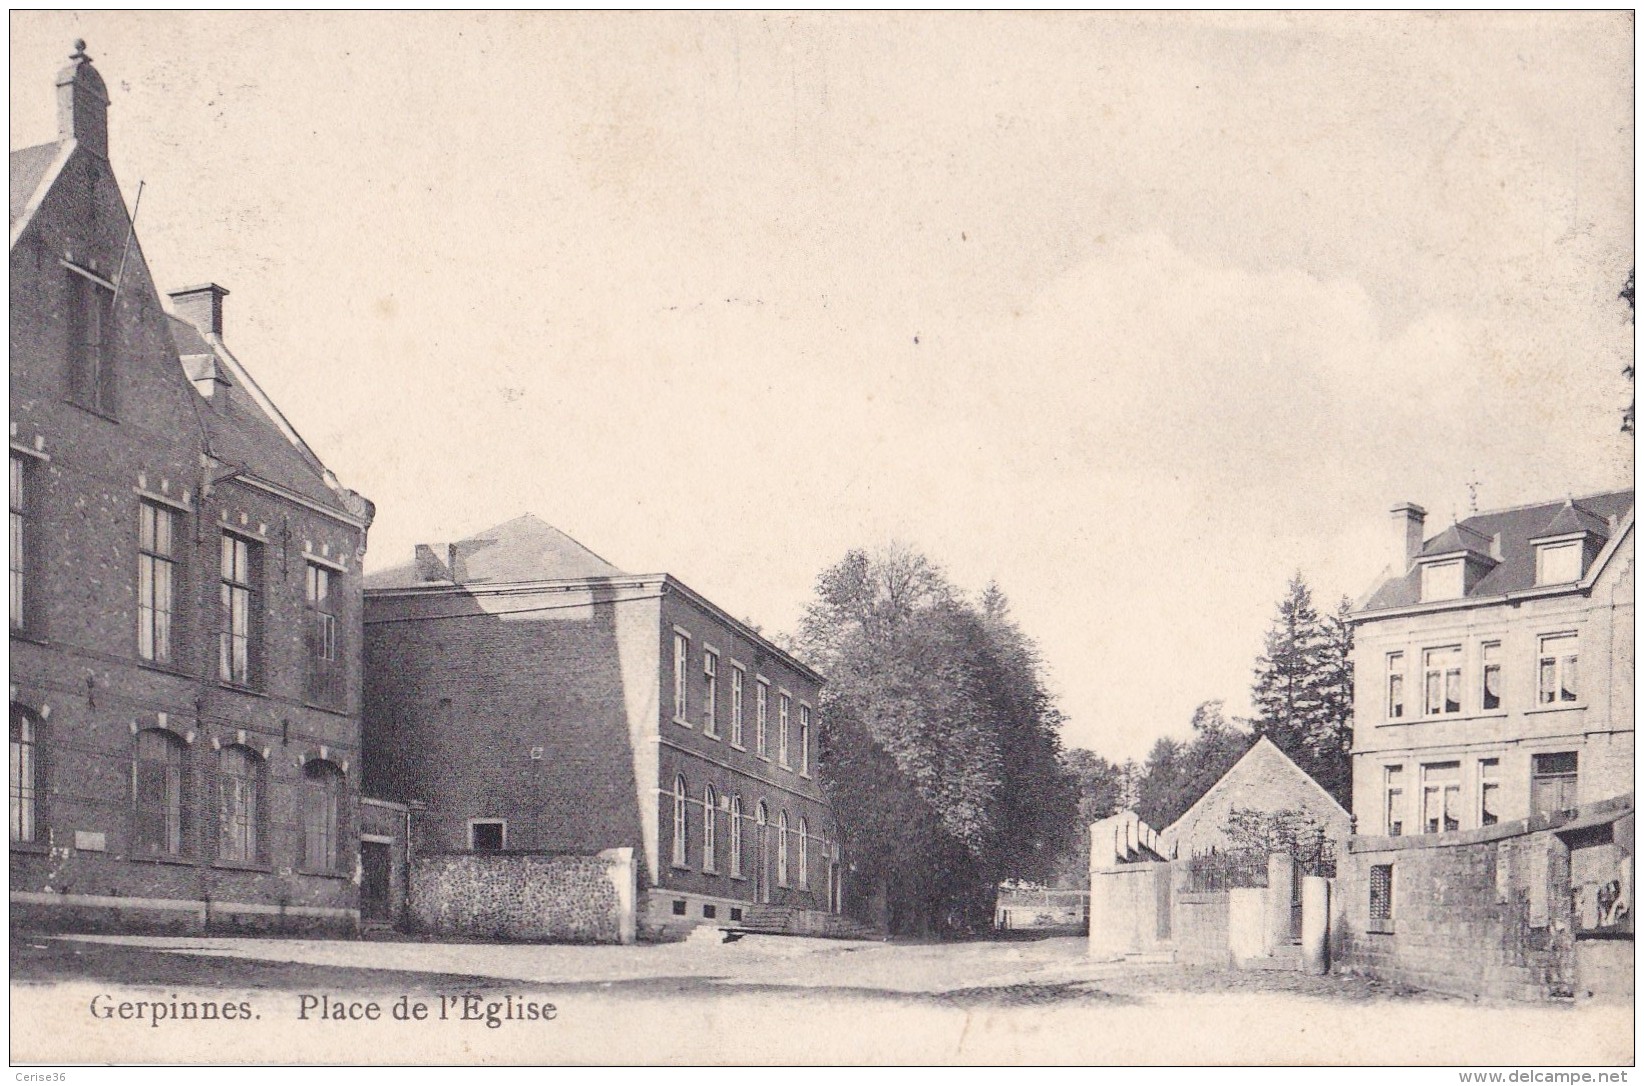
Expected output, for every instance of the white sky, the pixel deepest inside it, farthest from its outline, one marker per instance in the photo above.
(1135, 313)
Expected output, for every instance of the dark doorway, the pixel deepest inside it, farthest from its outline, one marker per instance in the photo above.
(376, 865)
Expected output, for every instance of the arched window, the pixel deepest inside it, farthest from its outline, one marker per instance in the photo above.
(804, 853)
(782, 849)
(157, 791)
(736, 837)
(322, 815)
(25, 774)
(710, 820)
(679, 821)
(239, 805)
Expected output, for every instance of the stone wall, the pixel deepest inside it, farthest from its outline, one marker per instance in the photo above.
(538, 897)
(1199, 923)
(1485, 912)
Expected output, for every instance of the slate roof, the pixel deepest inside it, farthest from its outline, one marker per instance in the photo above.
(1516, 569)
(240, 433)
(28, 168)
(526, 548)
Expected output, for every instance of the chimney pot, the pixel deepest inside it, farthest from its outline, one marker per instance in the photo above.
(201, 306)
(1409, 520)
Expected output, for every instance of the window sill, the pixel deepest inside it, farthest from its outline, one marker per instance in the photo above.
(763, 757)
(1561, 707)
(240, 689)
(163, 667)
(335, 710)
(31, 636)
(92, 411)
(683, 723)
(680, 867)
(710, 871)
(321, 873)
(242, 865)
(784, 767)
(1379, 927)
(175, 861)
(36, 848)
(706, 734)
(738, 746)
(737, 878)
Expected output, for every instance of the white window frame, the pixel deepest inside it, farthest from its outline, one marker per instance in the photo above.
(682, 683)
(1565, 665)
(762, 717)
(736, 837)
(1490, 659)
(804, 853)
(20, 485)
(784, 711)
(1448, 671)
(739, 679)
(1396, 676)
(1443, 581)
(1489, 779)
(782, 848)
(710, 692)
(473, 822)
(156, 581)
(1553, 562)
(1395, 800)
(1445, 790)
(682, 822)
(805, 719)
(710, 830)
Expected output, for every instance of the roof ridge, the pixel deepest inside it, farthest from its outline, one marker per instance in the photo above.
(1548, 501)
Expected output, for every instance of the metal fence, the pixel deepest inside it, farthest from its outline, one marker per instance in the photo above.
(1216, 869)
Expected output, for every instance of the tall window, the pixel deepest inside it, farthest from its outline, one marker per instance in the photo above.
(19, 539)
(804, 853)
(762, 702)
(1553, 782)
(322, 613)
(1490, 694)
(736, 837)
(1395, 685)
(1442, 668)
(1557, 670)
(156, 573)
(710, 693)
(737, 677)
(710, 829)
(91, 343)
(1395, 801)
(1441, 797)
(782, 704)
(805, 739)
(682, 650)
(680, 826)
(239, 805)
(322, 814)
(157, 781)
(782, 849)
(1489, 791)
(237, 637)
(24, 780)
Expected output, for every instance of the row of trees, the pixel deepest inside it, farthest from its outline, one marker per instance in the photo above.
(939, 745)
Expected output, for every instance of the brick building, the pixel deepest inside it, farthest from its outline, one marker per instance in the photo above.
(1493, 756)
(184, 584)
(538, 700)
(1263, 780)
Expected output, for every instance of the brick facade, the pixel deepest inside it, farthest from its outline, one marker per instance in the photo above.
(549, 705)
(89, 690)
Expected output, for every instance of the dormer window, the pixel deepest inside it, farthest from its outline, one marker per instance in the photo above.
(1558, 563)
(1441, 580)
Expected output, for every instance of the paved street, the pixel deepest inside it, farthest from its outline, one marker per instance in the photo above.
(761, 999)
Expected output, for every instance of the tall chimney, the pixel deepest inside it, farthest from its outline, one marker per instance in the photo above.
(428, 565)
(82, 103)
(1408, 521)
(201, 306)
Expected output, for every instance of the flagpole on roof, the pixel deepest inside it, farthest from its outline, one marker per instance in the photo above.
(120, 276)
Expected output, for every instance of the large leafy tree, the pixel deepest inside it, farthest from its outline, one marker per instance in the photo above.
(940, 748)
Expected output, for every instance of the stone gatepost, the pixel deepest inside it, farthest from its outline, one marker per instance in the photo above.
(1281, 869)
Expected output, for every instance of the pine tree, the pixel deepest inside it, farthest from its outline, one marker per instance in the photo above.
(1288, 691)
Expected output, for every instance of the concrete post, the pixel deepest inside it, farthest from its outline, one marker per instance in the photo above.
(1280, 870)
(1315, 925)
